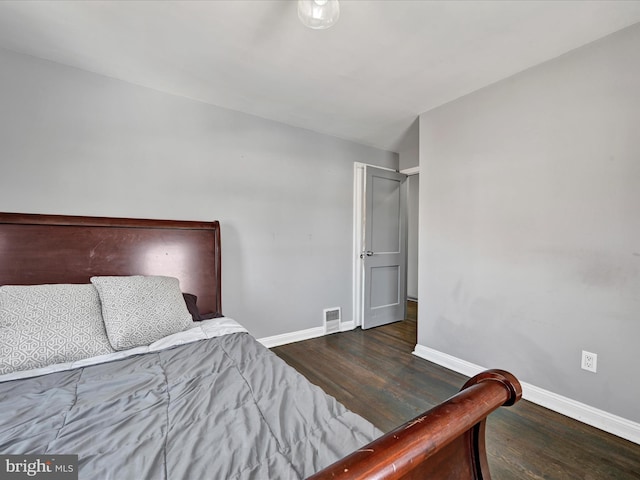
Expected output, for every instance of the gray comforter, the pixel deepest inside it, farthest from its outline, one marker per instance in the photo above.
(224, 408)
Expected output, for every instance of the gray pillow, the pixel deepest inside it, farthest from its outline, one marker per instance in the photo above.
(42, 325)
(139, 310)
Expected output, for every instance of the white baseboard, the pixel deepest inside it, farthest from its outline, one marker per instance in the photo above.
(346, 326)
(448, 361)
(605, 421)
(298, 336)
(284, 338)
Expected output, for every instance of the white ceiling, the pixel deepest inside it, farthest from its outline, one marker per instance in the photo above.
(365, 79)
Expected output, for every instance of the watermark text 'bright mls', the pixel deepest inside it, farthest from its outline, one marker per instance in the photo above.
(49, 467)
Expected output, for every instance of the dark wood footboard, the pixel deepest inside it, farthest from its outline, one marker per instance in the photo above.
(447, 442)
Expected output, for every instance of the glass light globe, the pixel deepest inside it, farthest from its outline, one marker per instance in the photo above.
(318, 14)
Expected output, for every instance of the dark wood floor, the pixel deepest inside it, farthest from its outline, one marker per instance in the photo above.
(374, 374)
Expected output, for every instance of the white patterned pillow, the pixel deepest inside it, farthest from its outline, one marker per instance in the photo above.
(42, 325)
(139, 310)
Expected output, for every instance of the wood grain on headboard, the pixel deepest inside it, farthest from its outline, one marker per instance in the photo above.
(40, 249)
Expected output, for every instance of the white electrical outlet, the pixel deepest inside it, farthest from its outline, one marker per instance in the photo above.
(589, 361)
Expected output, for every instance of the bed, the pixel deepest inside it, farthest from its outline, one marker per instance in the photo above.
(203, 401)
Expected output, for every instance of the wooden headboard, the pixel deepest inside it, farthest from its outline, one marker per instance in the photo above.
(41, 249)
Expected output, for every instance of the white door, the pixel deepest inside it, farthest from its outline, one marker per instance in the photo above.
(384, 253)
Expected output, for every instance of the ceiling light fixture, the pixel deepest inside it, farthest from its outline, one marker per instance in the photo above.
(318, 14)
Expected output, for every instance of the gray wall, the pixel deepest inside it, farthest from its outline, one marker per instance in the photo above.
(72, 142)
(530, 225)
(409, 150)
(413, 209)
(409, 157)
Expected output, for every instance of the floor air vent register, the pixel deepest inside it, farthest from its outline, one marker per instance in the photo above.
(332, 318)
